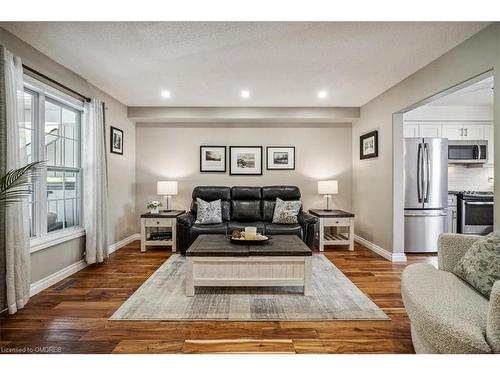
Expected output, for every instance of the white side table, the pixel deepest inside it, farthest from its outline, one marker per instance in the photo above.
(165, 221)
(334, 219)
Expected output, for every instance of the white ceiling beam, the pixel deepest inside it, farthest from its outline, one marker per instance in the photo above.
(244, 114)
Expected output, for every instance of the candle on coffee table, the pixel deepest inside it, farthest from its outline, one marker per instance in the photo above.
(250, 233)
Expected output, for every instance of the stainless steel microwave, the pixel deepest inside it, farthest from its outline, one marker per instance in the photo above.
(467, 152)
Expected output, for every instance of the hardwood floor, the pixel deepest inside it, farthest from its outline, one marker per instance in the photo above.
(75, 320)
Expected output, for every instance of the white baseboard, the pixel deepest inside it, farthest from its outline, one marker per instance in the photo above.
(395, 258)
(50, 280)
(118, 245)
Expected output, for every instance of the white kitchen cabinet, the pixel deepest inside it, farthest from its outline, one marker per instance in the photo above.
(452, 131)
(432, 130)
(473, 132)
(410, 130)
(463, 131)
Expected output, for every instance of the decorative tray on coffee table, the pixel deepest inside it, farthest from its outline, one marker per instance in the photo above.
(241, 240)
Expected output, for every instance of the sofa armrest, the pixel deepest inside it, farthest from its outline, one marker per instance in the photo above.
(184, 224)
(305, 218)
(187, 219)
(308, 224)
(452, 247)
(493, 319)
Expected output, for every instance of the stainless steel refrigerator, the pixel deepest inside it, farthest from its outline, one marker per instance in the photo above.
(426, 193)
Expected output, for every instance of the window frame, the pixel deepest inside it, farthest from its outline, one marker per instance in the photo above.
(41, 93)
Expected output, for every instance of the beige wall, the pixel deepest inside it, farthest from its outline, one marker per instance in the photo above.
(373, 179)
(122, 222)
(166, 152)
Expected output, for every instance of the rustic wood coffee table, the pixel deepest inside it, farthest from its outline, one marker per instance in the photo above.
(212, 260)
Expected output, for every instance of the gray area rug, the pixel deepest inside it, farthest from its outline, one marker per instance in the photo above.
(334, 296)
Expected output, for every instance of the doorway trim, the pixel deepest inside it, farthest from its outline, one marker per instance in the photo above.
(398, 162)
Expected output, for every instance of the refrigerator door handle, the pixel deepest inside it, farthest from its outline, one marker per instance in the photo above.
(419, 173)
(427, 172)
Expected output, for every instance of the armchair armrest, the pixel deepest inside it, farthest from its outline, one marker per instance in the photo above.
(305, 218)
(452, 247)
(493, 319)
(187, 219)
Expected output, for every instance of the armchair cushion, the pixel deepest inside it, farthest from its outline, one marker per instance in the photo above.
(493, 325)
(448, 314)
(452, 248)
(480, 266)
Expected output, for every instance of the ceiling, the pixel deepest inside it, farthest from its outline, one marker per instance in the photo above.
(477, 94)
(208, 63)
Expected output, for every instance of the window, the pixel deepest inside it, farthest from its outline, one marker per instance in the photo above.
(52, 127)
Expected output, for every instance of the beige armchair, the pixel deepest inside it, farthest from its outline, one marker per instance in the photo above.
(447, 315)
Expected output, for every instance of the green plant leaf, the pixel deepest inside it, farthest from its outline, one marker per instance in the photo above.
(15, 184)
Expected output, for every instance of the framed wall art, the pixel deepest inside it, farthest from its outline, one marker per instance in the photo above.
(212, 158)
(368, 145)
(280, 157)
(116, 138)
(245, 160)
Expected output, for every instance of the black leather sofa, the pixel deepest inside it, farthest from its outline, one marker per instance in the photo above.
(244, 206)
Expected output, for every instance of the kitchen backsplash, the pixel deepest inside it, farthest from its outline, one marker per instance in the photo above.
(470, 178)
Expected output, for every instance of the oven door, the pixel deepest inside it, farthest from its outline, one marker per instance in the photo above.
(477, 217)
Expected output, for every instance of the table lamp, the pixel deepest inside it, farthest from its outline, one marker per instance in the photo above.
(167, 189)
(327, 188)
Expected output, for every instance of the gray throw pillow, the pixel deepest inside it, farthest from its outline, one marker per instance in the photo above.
(208, 212)
(285, 212)
(480, 265)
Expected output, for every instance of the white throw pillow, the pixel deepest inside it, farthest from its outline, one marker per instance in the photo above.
(208, 212)
(285, 212)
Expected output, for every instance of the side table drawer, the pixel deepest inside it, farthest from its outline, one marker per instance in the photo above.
(332, 221)
(159, 222)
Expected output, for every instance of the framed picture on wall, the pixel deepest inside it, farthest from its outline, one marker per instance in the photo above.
(280, 157)
(116, 138)
(213, 159)
(368, 145)
(245, 160)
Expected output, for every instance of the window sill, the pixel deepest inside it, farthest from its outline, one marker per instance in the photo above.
(55, 238)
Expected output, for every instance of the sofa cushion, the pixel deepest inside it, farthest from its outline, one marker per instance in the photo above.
(245, 210)
(198, 229)
(285, 212)
(208, 212)
(246, 193)
(480, 265)
(448, 314)
(238, 225)
(286, 193)
(284, 229)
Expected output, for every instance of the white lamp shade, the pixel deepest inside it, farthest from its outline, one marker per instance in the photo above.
(166, 187)
(328, 187)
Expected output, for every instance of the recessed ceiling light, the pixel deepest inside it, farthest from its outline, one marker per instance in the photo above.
(322, 94)
(245, 94)
(166, 94)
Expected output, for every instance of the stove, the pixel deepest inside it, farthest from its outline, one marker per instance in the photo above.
(475, 212)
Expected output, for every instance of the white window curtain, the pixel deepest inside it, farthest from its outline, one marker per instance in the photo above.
(95, 183)
(17, 250)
